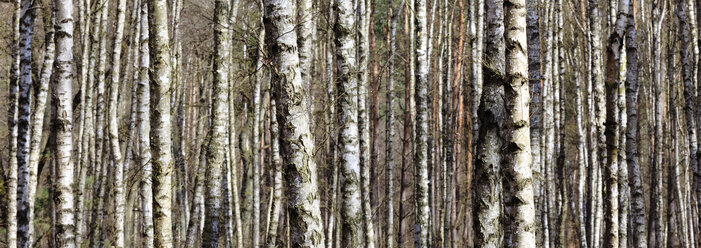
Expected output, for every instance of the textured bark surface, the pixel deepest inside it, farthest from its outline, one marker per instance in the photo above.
(25, 177)
(113, 127)
(303, 203)
(271, 239)
(63, 99)
(220, 109)
(144, 130)
(160, 86)
(423, 211)
(11, 178)
(487, 188)
(393, 16)
(613, 122)
(518, 180)
(347, 121)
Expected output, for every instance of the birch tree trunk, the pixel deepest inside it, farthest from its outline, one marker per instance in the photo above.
(277, 178)
(363, 53)
(37, 123)
(25, 210)
(258, 116)
(347, 121)
(389, 124)
(639, 239)
(220, 108)
(160, 122)
(113, 127)
(297, 143)
(487, 185)
(144, 129)
(12, 126)
(421, 130)
(656, 200)
(520, 209)
(63, 98)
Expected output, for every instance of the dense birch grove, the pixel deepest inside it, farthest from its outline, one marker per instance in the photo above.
(350, 123)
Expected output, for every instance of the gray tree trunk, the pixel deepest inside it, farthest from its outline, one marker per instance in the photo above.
(487, 185)
(25, 209)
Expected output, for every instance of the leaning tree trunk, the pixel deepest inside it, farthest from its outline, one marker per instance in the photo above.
(63, 99)
(487, 184)
(25, 210)
(519, 206)
(160, 122)
(220, 109)
(303, 203)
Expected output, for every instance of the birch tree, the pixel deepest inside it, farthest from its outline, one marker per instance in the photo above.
(144, 130)
(421, 127)
(518, 199)
(25, 204)
(63, 98)
(300, 169)
(162, 159)
(215, 151)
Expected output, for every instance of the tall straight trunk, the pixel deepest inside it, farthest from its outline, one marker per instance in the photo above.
(393, 16)
(303, 203)
(697, 170)
(271, 239)
(113, 127)
(215, 149)
(330, 125)
(233, 14)
(487, 184)
(687, 76)
(63, 99)
(160, 122)
(363, 53)
(88, 63)
(258, 116)
(408, 115)
(597, 121)
(99, 164)
(347, 121)
(656, 169)
(144, 130)
(25, 210)
(421, 127)
(613, 122)
(638, 225)
(581, 160)
(12, 126)
(535, 86)
(519, 206)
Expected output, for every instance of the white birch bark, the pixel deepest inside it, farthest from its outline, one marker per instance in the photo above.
(162, 160)
(144, 129)
(220, 109)
(271, 239)
(421, 130)
(520, 209)
(113, 127)
(63, 100)
(297, 142)
(12, 126)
